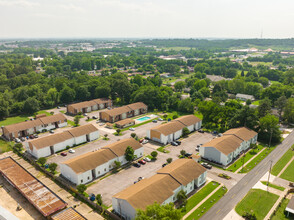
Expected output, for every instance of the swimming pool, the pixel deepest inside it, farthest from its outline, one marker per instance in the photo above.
(143, 118)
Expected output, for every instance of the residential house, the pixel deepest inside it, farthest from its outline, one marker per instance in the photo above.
(125, 123)
(29, 127)
(244, 97)
(168, 132)
(88, 106)
(223, 150)
(123, 112)
(89, 166)
(163, 187)
(48, 145)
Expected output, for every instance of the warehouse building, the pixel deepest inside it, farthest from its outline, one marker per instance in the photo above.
(223, 150)
(168, 132)
(46, 146)
(163, 187)
(89, 166)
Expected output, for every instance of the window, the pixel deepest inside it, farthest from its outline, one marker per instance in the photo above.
(98, 172)
(190, 187)
(174, 198)
(88, 177)
(104, 169)
(81, 181)
(109, 166)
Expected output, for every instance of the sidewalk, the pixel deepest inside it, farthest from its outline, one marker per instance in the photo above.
(285, 167)
(192, 210)
(275, 205)
(249, 160)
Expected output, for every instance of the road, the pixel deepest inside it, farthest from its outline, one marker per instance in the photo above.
(236, 194)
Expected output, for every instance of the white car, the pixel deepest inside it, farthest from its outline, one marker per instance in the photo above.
(145, 141)
(160, 119)
(131, 129)
(101, 124)
(72, 151)
(147, 159)
(85, 114)
(17, 140)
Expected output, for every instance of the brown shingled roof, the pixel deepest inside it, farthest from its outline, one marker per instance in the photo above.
(118, 111)
(183, 170)
(169, 128)
(82, 130)
(23, 125)
(119, 147)
(90, 160)
(242, 132)
(85, 104)
(124, 122)
(137, 105)
(50, 140)
(101, 100)
(188, 120)
(53, 118)
(68, 214)
(225, 144)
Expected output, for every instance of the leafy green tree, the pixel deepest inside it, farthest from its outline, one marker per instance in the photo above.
(118, 131)
(4, 108)
(82, 188)
(102, 91)
(42, 160)
(52, 167)
(31, 105)
(185, 132)
(244, 117)
(169, 160)
(289, 111)
(67, 95)
(179, 86)
(165, 116)
(280, 104)
(186, 105)
(159, 212)
(264, 107)
(182, 198)
(77, 120)
(154, 154)
(99, 199)
(269, 129)
(129, 154)
(183, 152)
(133, 135)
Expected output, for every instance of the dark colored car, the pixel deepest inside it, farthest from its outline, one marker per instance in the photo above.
(136, 165)
(31, 136)
(36, 136)
(174, 143)
(163, 165)
(200, 131)
(63, 154)
(51, 131)
(154, 121)
(178, 142)
(188, 155)
(143, 162)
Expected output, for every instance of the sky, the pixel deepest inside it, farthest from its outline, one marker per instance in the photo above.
(146, 18)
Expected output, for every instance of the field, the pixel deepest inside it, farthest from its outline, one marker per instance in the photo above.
(199, 196)
(207, 204)
(288, 174)
(282, 162)
(4, 146)
(255, 102)
(257, 202)
(280, 214)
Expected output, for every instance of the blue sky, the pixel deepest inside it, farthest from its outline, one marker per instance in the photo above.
(146, 18)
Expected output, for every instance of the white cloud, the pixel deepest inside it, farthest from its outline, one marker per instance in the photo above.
(22, 3)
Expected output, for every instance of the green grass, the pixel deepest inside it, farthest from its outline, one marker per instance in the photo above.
(13, 120)
(273, 186)
(282, 162)
(71, 123)
(207, 204)
(238, 163)
(198, 114)
(161, 149)
(257, 202)
(281, 214)
(255, 102)
(137, 125)
(5, 146)
(288, 174)
(198, 197)
(257, 160)
(61, 111)
(43, 112)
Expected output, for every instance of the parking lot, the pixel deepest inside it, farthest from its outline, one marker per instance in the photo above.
(118, 182)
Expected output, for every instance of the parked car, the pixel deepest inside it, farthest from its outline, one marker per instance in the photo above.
(17, 140)
(136, 165)
(163, 165)
(58, 107)
(154, 121)
(63, 154)
(72, 151)
(101, 124)
(147, 159)
(174, 143)
(220, 134)
(200, 131)
(144, 141)
(140, 178)
(31, 136)
(178, 142)
(143, 162)
(131, 129)
(51, 131)
(94, 117)
(160, 119)
(108, 108)
(36, 136)
(85, 114)
(22, 139)
(206, 165)
(188, 155)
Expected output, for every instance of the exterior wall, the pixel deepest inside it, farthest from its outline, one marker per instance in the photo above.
(94, 135)
(136, 112)
(254, 139)
(80, 139)
(88, 109)
(201, 179)
(123, 116)
(44, 152)
(139, 152)
(64, 124)
(177, 134)
(69, 174)
(101, 106)
(104, 116)
(210, 153)
(85, 177)
(191, 128)
(95, 107)
(50, 126)
(62, 145)
(123, 208)
(198, 125)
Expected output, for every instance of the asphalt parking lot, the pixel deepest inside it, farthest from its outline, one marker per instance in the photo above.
(118, 182)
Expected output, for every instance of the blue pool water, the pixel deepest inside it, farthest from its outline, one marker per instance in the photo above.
(143, 118)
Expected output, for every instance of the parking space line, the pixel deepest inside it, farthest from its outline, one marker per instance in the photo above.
(218, 211)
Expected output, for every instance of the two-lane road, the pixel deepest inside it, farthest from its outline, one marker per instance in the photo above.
(236, 194)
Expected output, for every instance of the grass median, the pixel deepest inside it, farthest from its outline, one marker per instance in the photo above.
(273, 186)
(288, 174)
(277, 168)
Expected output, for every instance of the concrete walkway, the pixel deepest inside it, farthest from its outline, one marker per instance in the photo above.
(285, 167)
(198, 205)
(276, 204)
(249, 160)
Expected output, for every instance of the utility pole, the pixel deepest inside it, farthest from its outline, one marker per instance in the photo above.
(270, 140)
(269, 174)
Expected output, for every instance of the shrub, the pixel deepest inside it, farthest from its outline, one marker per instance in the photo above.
(99, 199)
(42, 160)
(154, 154)
(52, 167)
(67, 147)
(185, 132)
(169, 160)
(82, 188)
(183, 152)
(175, 116)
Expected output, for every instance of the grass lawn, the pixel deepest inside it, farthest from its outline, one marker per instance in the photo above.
(257, 202)
(238, 163)
(137, 125)
(255, 102)
(273, 185)
(5, 146)
(207, 204)
(71, 123)
(43, 112)
(257, 160)
(282, 162)
(281, 214)
(199, 196)
(288, 174)
(13, 120)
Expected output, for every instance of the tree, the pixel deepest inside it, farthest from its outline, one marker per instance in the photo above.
(52, 167)
(175, 116)
(185, 132)
(67, 95)
(244, 117)
(289, 111)
(118, 131)
(154, 154)
(116, 165)
(182, 198)
(179, 86)
(105, 136)
(4, 108)
(99, 199)
(159, 212)
(186, 106)
(77, 120)
(183, 152)
(281, 103)
(129, 154)
(269, 129)
(133, 135)
(169, 160)
(31, 105)
(18, 146)
(82, 188)
(264, 107)
(165, 116)
(42, 160)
